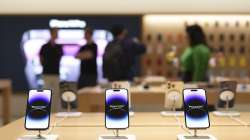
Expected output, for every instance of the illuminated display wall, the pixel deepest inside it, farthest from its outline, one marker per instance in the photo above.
(12, 29)
(228, 37)
(71, 40)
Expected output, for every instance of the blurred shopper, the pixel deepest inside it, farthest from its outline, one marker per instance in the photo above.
(50, 57)
(194, 60)
(87, 54)
(120, 56)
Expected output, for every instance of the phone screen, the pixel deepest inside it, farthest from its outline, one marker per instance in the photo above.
(116, 109)
(38, 110)
(195, 106)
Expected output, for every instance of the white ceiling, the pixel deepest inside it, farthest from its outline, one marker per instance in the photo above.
(123, 6)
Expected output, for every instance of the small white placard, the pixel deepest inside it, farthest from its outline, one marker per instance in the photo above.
(226, 113)
(172, 113)
(68, 114)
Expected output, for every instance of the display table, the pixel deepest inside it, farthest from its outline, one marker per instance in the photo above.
(146, 126)
(92, 99)
(148, 119)
(5, 92)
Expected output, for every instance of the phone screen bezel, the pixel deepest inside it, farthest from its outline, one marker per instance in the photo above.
(106, 105)
(27, 109)
(184, 103)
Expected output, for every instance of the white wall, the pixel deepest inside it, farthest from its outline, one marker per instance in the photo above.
(122, 6)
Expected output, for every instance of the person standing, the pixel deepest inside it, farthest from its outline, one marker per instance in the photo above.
(195, 59)
(88, 54)
(50, 57)
(120, 56)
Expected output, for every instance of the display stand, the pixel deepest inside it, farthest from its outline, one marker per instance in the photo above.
(227, 98)
(131, 113)
(68, 97)
(173, 111)
(195, 136)
(39, 136)
(116, 136)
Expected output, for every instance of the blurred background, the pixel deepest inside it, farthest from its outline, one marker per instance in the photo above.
(160, 25)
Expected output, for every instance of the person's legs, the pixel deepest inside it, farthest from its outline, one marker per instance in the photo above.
(87, 80)
(52, 82)
(92, 80)
(80, 83)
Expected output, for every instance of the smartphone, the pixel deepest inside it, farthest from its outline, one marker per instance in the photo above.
(227, 86)
(116, 109)
(195, 109)
(38, 110)
(124, 85)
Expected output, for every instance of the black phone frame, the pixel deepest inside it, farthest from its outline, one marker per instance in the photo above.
(38, 129)
(106, 112)
(185, 110)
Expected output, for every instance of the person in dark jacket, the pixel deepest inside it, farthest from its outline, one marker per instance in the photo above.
(131, 49)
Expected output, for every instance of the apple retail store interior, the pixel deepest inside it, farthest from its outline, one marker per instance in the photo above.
(125, 70)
